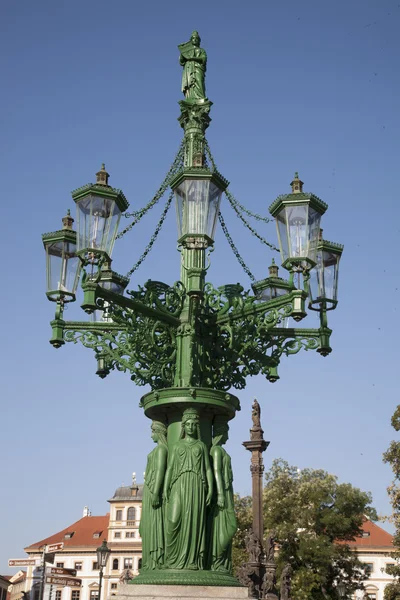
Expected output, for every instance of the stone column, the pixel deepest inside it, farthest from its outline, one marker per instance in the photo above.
(256, 445)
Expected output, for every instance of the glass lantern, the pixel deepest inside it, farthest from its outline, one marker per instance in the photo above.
(99, 209)
(114, 282)
(103, 553)
(198, 196)
(324, 276)
(62, 262)
(271, 287)
(298, 217)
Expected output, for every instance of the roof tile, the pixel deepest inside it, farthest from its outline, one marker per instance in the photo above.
(83, 533)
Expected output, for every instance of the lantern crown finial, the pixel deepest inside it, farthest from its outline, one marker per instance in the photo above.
(297, 184)
(273, 269)
(102, 176)
(67, 221)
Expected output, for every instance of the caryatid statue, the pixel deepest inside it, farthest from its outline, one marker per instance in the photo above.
(152, 523)
(223, 524)
(188, 490)
(194, 62)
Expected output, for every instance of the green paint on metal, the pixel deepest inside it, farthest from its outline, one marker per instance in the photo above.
(190, 342)
(194, 62)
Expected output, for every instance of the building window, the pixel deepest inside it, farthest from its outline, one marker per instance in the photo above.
(60, 565)
(75, 594)
(119, 515)
(130, 534)
(115, 564)
(127, 563)
(58, 595)
(371, 596)
(113, 586)
(131, 516)
(369, 567)
(95, 566)
(94, 594)
(139, 563)
(117, 534)
(78, 566)
(36, 597)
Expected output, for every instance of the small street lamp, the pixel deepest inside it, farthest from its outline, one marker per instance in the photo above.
(103, 553)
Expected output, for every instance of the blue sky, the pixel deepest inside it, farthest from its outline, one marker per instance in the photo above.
(311, 86)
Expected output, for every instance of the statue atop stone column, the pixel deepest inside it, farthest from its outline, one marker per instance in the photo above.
(194, 62)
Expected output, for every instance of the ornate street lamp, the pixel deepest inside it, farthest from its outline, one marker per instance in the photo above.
(324, 277)
(99, 209)
(103, 553)
(198, 196)
(191, 342)
(298, 217)
(273, 286)
(62, 263)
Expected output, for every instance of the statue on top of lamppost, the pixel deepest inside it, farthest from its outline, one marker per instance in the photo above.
(194, 62)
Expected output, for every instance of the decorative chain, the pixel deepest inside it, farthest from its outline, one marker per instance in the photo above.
(137, 215)
(239, 208)
(153, 237)
(242, 208)
(234, 249)
(209, 155)
(247, 224)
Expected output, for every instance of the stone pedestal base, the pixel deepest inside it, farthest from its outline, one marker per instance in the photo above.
(179, 592)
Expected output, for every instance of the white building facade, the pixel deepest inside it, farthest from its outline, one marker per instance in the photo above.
(120, 528)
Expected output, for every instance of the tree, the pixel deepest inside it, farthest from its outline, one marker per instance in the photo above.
(392, 456)
(244, 521)
(312, 517)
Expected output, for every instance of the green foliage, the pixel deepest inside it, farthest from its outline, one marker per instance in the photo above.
(309, 511)
(392, 457)
(244, 520)
(392, 591)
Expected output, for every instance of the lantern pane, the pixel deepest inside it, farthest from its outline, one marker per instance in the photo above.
(97, 222)
(331, 272)
(63, 267)
(283, 234)
(324, 279)
(113, 286)
(197, 206)
(314, 220)
(296, 218)
(270, 293)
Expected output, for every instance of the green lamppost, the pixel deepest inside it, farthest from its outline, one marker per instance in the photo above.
(190, 342)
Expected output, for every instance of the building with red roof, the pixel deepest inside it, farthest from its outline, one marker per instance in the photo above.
(119, 527)
(375, 547)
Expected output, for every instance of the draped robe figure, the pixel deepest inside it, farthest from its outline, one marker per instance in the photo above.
(188, 490)
(194, 62)
(151, 526)
(222, 515)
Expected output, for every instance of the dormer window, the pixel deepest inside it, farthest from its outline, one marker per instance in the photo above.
(97, 534)
(365, 534)
(68, 535)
